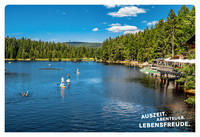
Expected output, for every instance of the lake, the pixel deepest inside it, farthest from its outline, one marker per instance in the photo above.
(102, 98)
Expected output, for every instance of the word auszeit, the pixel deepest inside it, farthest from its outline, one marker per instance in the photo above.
(153, 115)
(164, 124)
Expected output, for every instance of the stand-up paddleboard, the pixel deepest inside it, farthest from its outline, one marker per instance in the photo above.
(62, 85)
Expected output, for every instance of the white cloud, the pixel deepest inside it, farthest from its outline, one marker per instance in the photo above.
(115, 24)
(144, 21)
(110, 6)
(118, 28)
(95, 29)
(127, 11)
(152, 23)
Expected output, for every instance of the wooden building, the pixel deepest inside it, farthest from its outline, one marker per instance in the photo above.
(190, 42)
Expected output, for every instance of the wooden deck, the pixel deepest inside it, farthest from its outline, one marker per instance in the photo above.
(169, 75)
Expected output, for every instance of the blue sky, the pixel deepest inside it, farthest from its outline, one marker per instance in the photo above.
(88, 23)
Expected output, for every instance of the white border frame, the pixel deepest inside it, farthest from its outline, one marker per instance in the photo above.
(94, 2)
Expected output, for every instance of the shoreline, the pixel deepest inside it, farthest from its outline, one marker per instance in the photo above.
(125, 62)
(56, 59)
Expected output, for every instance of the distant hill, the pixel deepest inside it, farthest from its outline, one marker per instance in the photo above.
(84, 44)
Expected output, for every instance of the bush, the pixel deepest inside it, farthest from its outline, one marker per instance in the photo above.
(190, 100)
(187, 76)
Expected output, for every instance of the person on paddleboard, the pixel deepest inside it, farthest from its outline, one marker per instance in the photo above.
(68, 78)
(62, 80)
(62, 85)
(77, 71)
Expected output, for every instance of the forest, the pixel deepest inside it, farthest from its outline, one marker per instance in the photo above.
(30, 49)
(165, 39)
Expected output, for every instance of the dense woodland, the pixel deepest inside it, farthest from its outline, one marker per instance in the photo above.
(165, 39)
(26, 48)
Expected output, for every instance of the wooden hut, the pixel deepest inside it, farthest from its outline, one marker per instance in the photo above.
(190, 42)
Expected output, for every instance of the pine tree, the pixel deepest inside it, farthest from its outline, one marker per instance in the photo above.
(171, 28)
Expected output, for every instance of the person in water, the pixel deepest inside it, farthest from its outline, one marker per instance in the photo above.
(24, 94)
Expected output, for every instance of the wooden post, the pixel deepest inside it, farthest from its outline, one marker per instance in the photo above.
(176, 84)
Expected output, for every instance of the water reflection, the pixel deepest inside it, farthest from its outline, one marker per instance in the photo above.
(121, 108)
(125, 113)
(63, 93)
(147, 81)
(77, 76)
(50, 69)
(175, 105)
(68, 85)
(15, 74)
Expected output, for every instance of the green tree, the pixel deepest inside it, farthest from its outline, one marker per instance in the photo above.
(171, 28)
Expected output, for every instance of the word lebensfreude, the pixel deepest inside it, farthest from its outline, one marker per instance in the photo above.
(161, 121)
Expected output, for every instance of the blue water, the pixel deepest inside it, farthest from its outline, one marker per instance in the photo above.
(102, 98)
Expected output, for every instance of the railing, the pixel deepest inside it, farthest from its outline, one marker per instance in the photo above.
(165, 68)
